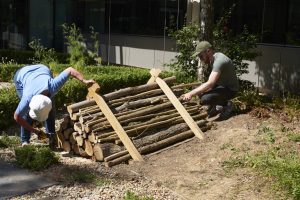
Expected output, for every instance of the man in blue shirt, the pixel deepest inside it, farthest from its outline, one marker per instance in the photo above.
(36, 88)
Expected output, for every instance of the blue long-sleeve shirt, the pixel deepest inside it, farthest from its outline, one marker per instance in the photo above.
(34, 79)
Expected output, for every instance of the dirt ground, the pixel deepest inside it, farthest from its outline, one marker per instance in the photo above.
(194, 169)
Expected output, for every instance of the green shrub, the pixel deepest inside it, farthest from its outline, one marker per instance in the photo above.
(42, 54)
(8, 104)
(238, 47)
(25, 57)
(35, 158)
(184, 64)
(9, 141)
(76, 44)
(7, 72)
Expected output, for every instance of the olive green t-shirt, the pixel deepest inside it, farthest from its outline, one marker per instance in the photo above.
(228, 77)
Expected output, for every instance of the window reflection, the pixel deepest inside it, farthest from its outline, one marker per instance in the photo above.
(13, 23)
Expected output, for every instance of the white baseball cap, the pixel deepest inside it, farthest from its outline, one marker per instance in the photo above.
(40, 106)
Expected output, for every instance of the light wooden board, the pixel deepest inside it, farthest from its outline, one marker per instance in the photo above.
(115, 124)
(179, 107)
(154, 74)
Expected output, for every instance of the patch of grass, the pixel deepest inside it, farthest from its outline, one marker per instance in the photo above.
(132, 196)
(35, 157)
(9, 141)
(295, 137)
(72, 176)
(234, 162)
(283, 166)
(278, 164)
(268, 133)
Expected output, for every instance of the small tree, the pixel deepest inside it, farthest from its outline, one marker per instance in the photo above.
(94, 52)
(184, 64)
(238, 47)
(76, 46)
(42, 54)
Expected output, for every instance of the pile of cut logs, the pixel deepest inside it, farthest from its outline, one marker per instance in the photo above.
(145, 113)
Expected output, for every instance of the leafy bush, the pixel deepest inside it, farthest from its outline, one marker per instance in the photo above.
(42, 54)
(19, 56)
(9, 141)
(184, 64)
(24, 57)
(76, 46)
(238, 47)
(7, 71)
(35, 158)
(8, 103)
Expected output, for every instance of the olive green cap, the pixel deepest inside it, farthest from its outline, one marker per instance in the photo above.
(201, 46)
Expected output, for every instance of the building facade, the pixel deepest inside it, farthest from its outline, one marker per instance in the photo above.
(133, 32)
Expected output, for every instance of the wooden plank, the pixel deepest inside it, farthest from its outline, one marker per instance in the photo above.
(114, 123)
(154, 74)
(179, 107)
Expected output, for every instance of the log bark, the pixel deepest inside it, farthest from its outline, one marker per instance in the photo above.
(67, 133)
(103, 150)
(75, 107)
(88, 148)
(143, 112)
(173, 130)
(153, 147)
(136, 131)
(79, 151)
(135, 90)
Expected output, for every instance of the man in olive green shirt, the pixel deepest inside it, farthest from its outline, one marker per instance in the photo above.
(222, 84)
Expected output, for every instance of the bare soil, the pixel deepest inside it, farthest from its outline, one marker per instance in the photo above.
(194, 169)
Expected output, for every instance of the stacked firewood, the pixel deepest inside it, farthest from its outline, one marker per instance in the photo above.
(145, 113)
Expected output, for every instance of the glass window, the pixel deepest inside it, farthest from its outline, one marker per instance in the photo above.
(275, 21)
(147, 17)
(13, 24)
(41, 21)
(293, 25)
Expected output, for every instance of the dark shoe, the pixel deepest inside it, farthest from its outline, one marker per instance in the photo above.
(226, 112)
(214, 111)
(52, 141)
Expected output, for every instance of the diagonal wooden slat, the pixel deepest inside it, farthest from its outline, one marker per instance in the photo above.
(114, 122)
(178, 106)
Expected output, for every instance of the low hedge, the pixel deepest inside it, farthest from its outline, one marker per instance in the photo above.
(110, 78)
(25, 56)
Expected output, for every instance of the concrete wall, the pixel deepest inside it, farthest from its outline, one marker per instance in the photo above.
(148, 52)
(278, 69)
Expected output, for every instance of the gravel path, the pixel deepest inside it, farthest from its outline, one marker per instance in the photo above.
(111, 185)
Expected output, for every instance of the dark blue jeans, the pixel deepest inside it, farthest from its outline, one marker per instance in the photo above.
(49, 123)
(219, 95)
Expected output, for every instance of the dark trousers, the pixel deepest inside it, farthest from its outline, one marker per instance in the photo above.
(219, 95)
(49, 123)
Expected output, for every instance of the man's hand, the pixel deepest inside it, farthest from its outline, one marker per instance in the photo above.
(41, 135)
(88, 83)
(187, 97)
